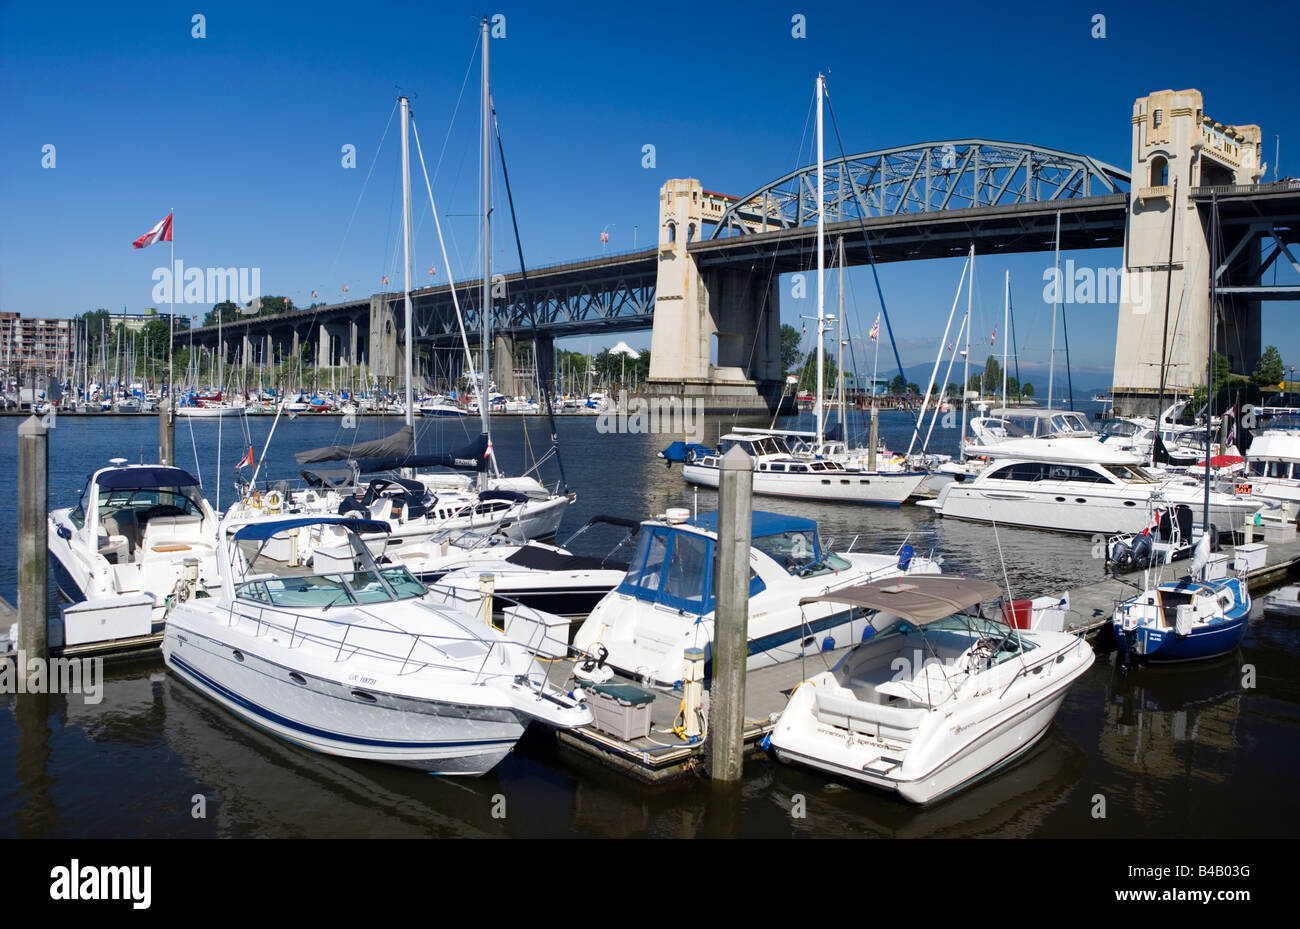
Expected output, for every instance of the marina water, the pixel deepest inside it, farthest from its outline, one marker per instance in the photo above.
(1177, 752)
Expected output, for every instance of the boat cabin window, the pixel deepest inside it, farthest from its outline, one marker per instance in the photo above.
(1075, 474)
(1131, 473)
(793, 551)
(675, 568)
(802, 469)
(1118, 427)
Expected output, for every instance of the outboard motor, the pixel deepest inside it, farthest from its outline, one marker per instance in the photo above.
(1142, 551)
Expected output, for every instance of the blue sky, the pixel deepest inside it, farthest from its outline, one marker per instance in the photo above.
(241, 132)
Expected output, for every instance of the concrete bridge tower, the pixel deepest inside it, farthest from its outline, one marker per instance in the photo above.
(694, 309)
(1176, 147)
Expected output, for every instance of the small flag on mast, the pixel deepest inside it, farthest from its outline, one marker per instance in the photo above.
(159, 233)
(247, 460)
(995, 335)
(875, 330)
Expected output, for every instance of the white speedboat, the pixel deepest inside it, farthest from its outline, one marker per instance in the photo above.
(939, 694)
(121, 553)
(665, 602)
(356, 660)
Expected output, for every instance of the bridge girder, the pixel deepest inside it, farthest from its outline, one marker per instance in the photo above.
(926, 178)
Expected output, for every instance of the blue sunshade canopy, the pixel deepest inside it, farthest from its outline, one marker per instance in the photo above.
(149, 478)
(764, 523)
(261, 531)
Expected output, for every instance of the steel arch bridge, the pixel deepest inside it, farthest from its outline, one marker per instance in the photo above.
(916, 179)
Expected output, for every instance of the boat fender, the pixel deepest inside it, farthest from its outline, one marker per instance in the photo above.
(828, 644)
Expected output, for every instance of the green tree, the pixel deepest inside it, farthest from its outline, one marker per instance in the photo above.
(1013, 387)
(808, 374)
(227, 310)
(1269, 371)
(953, 390)
(1027, 390)
(789, 347)
(913, 388)
(991, 380)
(898, 386)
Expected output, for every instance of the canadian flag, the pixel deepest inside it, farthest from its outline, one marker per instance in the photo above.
(159, 233)
(247, 460)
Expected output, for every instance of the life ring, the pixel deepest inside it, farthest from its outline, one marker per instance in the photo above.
(274, 501)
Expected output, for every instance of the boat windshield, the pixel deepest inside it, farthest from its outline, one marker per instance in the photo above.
(999, 640)
(143, 503)
(1118, 427)
(339, 589)
(797, 551)
(1133, 474)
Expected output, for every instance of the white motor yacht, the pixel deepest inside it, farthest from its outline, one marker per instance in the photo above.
(665, 602)
(1273, 464)
(1076, 484)
(939, 694)
(356, 660)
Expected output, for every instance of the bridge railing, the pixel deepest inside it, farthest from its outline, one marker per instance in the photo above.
(1223, 190)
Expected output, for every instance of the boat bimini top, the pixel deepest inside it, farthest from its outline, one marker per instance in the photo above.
(921, 599)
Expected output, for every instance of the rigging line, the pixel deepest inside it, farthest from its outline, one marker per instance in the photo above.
(364, 184)
(893, 344)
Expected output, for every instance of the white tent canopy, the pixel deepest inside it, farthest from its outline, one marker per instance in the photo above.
(622, 348)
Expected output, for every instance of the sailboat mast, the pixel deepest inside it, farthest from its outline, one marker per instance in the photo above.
(406, 252)
(1056, 299)
(1006, 318)
(818, 412)
(965, 383)
(839, 352)
(484, 380)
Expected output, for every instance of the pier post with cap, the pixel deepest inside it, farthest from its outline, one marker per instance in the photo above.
(167, 432)
(33, 550)
(731, 616)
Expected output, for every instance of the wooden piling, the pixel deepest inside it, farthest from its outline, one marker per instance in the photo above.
(33, 550)
(731, 617)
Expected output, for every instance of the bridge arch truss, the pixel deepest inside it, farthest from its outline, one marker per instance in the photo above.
(926, 178)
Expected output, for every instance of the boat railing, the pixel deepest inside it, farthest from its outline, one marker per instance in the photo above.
(403, 652)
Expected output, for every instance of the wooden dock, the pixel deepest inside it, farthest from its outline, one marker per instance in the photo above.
(663, 755)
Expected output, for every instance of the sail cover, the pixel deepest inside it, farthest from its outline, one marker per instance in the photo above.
(400, 443)
(471, 457)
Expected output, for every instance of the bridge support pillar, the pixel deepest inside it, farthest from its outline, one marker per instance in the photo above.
(1175, 148)
(384, 327)
(692, 309)
(503, 364)
(324, 348)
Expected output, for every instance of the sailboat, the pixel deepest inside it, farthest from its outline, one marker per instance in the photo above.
(795, 464)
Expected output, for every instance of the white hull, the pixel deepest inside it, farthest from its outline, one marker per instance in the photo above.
(322, 715)
(843, 486)
(1069, 507)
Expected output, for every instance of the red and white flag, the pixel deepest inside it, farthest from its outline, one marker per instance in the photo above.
(247, 460)
(994, 337)
(159, 233)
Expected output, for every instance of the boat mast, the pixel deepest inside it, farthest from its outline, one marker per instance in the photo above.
(484, 380)
(1006, 316)
(1056, 299)
(839, 355)
(406, 249)
(818, 412)
(965, 383)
